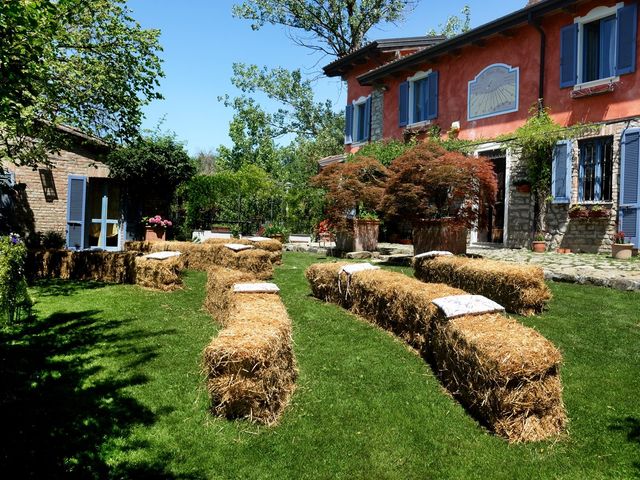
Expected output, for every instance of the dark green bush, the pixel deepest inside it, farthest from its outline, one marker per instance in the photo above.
(13, 286)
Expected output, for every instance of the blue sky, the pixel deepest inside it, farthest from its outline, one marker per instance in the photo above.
(201, 41)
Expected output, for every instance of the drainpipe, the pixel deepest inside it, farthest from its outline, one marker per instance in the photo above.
(543, 49)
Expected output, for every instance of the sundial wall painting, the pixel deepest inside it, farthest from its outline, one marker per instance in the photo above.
(494, 91)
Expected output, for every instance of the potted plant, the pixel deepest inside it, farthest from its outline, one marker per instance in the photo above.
(539, 245)
(276, 231)
(441, 193)
(620, 249)
(156, 228)
(353, 193)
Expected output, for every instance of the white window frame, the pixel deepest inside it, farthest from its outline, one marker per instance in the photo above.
(412, 82)
(595, 14)
(356, 118)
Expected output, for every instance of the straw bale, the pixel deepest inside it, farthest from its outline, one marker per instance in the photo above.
(519, 288)
(159, 274)
(108, 267)
(200, 256)
(324, 282)
(274, 247)
(219, 293)
(398, 303)
(250, 366)
(506, 374)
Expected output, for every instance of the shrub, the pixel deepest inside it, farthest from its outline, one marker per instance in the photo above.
(52, 240)
(429, 182)
(13, 286)
(385, 151)
(355, 187)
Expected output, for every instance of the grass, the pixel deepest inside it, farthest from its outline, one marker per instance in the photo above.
(105, 383)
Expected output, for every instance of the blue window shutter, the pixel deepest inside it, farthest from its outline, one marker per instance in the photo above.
(348, 125)
(403, 104)
(626, 33)
(432, 103)
(568, 55)
(367, 120)
(76, 196)
(630, 185)
(630, 163)
(561, 172)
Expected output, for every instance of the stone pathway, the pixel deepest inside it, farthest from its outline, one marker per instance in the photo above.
(582, 268)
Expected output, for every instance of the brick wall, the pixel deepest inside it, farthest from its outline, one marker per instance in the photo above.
(50, 211)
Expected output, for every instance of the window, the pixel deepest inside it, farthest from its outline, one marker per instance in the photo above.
(596, 167)
(358, 121)
(418, 98)
(599, 46)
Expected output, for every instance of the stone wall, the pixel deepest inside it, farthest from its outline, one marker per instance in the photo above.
(45, 195)
(580, 235)
(377, 114)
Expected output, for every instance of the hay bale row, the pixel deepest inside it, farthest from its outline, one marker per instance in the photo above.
(392, 300)
(274, 247)
(108, 267)
(506, 374)
(203, 256)
(250, 366)
(159, 274)
(518, 288)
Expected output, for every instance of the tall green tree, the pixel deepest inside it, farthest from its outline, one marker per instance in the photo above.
(455, 24)
(151, 169)
(83, 63)
(334, 27)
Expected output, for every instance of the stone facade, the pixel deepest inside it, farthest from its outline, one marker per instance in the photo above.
(377, 114)
(579, 235)
(45, 195)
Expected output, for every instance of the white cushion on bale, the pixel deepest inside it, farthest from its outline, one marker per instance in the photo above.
(263, 287)
(461, 305)
(237, 247)
(162, 255)
(357, 267)
(434, 254)
(257, 239)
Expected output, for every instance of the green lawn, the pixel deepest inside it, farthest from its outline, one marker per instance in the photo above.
(106, 383)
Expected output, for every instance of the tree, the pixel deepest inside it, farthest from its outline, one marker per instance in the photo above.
(334, 27)
(151, 169)
(352, 188)
(455, 25)
(84, 63)
(431, 183)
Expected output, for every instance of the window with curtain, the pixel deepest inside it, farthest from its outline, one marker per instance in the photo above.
(596, 170)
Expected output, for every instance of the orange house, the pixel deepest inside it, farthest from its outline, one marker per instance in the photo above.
(576, 57)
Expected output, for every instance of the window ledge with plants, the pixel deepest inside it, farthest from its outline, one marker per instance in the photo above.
(590, 211)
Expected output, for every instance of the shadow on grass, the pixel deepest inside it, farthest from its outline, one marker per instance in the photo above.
(59, 408)
(56, 287)
(630, 426)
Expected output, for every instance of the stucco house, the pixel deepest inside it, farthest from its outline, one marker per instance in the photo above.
(577, 57)
(73, 197)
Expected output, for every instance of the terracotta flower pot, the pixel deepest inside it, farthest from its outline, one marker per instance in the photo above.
(153, 233)
(538, 246)
(440, 235)
(621, 251)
